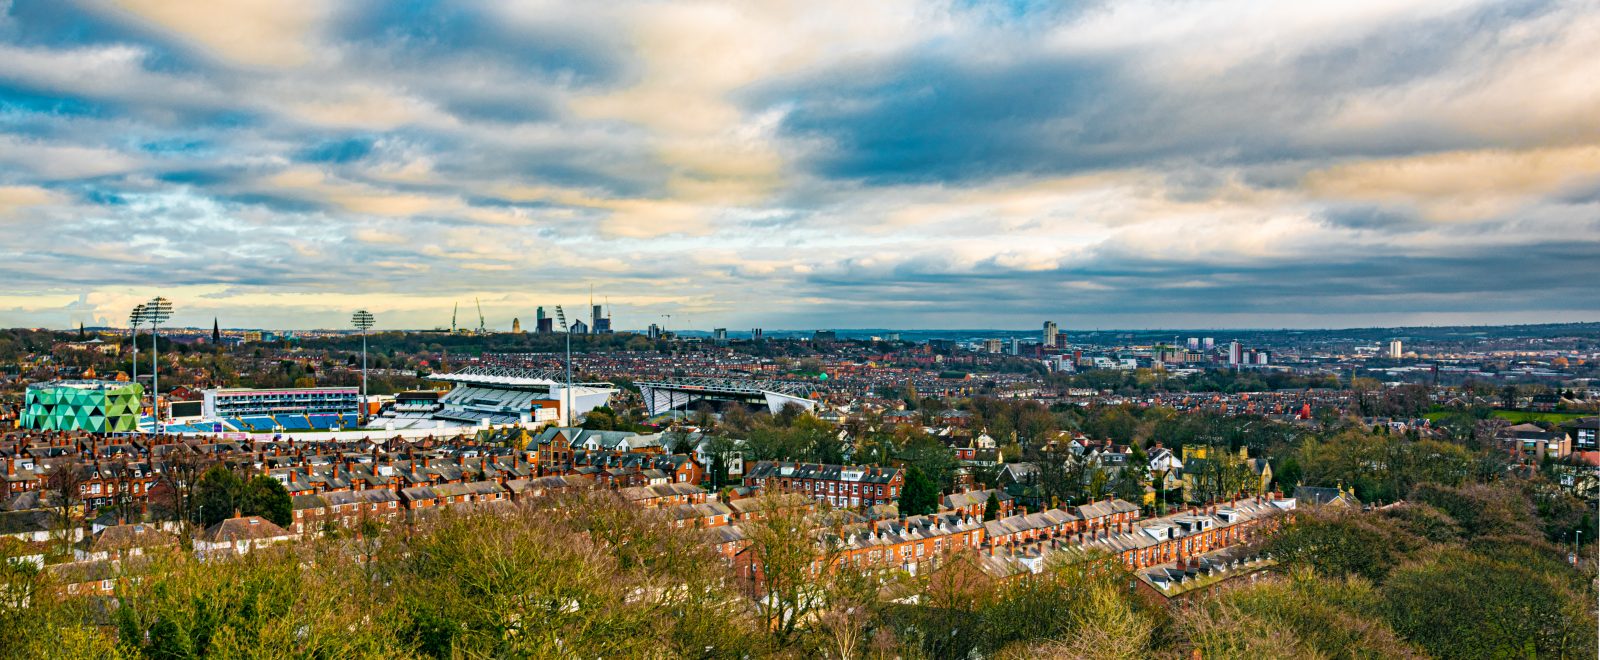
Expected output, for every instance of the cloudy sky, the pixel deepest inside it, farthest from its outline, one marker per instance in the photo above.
(815, 163)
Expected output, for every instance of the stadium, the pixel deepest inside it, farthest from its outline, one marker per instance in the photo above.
(501, 395)
(665, 396)
(479, 397)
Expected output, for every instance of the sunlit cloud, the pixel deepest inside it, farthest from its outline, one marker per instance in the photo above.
(782, 163)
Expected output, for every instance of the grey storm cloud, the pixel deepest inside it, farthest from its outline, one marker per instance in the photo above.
(940, 114)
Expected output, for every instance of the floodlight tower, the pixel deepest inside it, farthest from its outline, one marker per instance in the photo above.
(566, 394)
(157, 311)
(136, 319)
(363, 321)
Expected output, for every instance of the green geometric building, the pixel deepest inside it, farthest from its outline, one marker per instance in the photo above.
(97, 406)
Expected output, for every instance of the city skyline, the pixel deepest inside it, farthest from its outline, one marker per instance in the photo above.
(802, 165)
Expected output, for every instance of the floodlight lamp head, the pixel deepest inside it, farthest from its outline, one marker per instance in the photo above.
(158, 310)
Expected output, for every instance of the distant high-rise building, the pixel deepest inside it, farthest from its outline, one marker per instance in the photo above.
(825, 335)
(1208, 343)
(1194, 343)
(543, 324)
(893, 336)
(1263, 357)
(720, 335)
(579, 327)
(1051, 333)
(601, 324)
(755, 334)
(1016, 346)
(991, 345)
(516, 325)
(653, 332)
(1395, 349)
(1235, 353)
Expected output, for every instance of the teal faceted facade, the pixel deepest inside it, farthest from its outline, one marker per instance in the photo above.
(97, 406)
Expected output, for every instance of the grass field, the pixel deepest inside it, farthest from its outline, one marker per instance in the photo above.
(1521, 416)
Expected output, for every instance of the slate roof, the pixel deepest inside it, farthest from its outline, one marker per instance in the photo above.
(818, 471)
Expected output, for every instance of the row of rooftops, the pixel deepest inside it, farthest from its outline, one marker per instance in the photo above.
(1153, 532)
(821, 472)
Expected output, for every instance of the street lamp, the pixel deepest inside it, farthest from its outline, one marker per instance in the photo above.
(136, 319)
(157, 311)
(362, 320)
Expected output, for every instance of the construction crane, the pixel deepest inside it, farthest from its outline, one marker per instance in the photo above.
(482, 329)
(453, 311)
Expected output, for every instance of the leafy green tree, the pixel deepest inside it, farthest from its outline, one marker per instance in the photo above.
(264, 496)
(217, 494)
(1338, 543)
(1086, 592)
(722, 450)
(991, 507)
(1129, 484)
(920, 495)
(1303, 616)
(603, 418)
(1465, 605)
(36, 621)
(266, 604)
(932, 457)
(1481, 509)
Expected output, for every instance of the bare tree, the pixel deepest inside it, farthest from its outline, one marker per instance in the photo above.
(789, 557)
(63, 491)
(174, 486)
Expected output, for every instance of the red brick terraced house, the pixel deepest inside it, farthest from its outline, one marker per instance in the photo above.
(839, 485)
